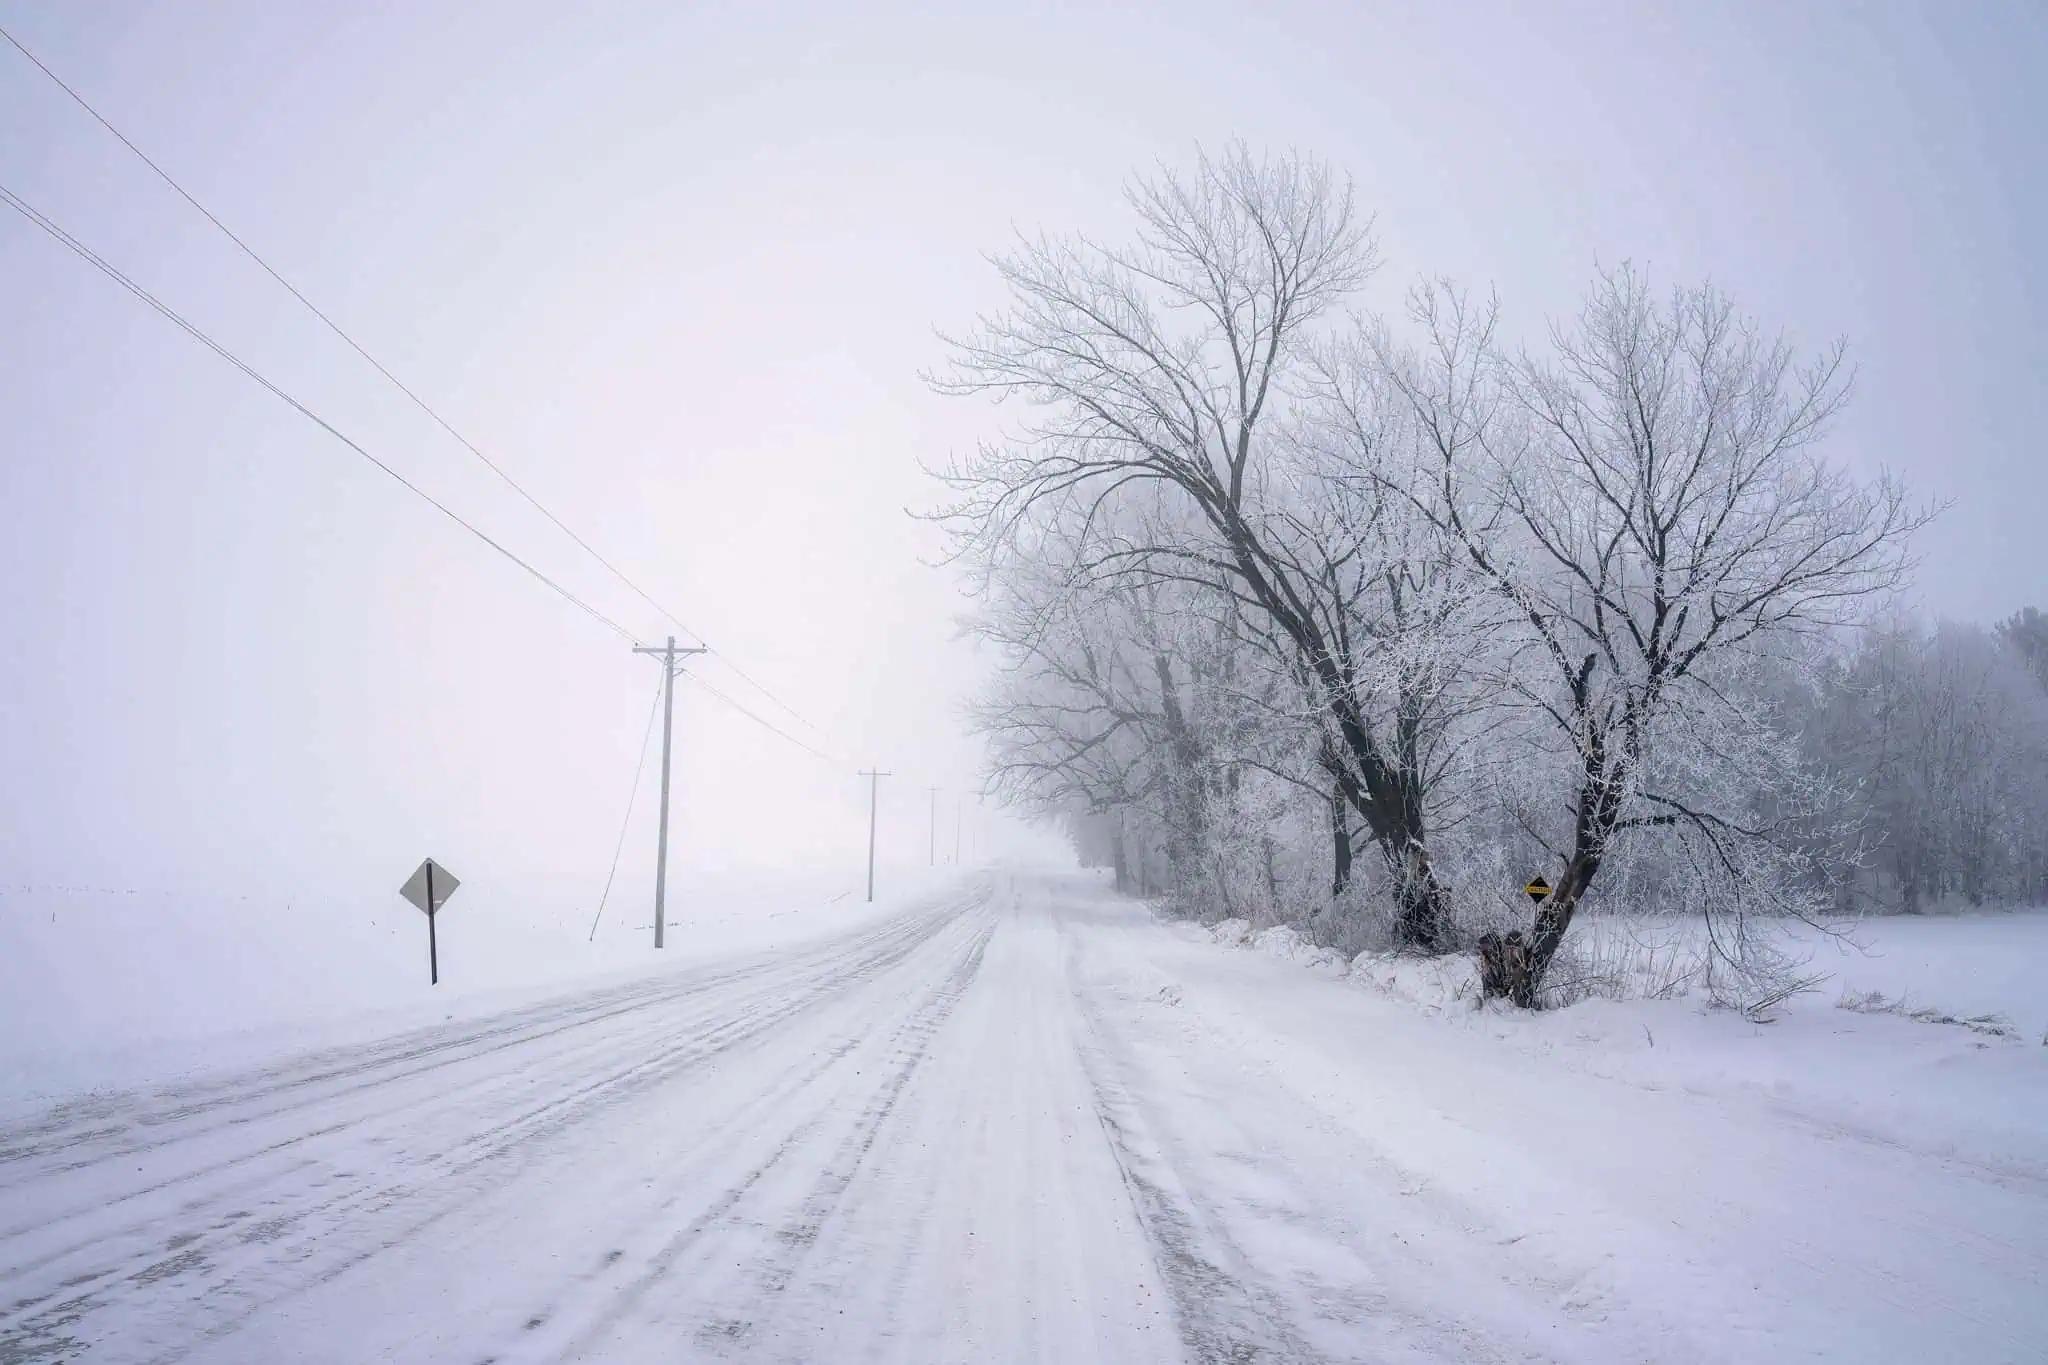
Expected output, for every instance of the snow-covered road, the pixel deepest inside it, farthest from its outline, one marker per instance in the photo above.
(1020, 1121)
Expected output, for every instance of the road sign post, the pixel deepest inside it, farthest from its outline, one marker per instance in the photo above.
(429, 888)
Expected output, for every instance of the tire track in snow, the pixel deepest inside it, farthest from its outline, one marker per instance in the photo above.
(792, 1241)
(243, 1090)
(770, 1271)
(357, 1065)
(368, 1118)
(745, 1120)
(1221, 1309)
(36, 1327)
(1327, 1282)
(720, 1017)
(1223, 1314)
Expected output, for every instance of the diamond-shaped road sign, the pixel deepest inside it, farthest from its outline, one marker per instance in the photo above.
(443, 881)
(429, 889)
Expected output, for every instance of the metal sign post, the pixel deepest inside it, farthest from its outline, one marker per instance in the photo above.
(429, 888)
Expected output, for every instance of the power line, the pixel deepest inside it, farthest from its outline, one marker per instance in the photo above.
(57, 232)
(78, 247)
(100, 263)
(770, 726)
(339, 331)
(764, 723)
(378, 365)
(748, 679)
(72, 243)
(814, 752)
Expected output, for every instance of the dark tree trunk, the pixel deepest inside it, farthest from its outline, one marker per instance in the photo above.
(1552, 919)
(1518, 964)
(1504, 969)
(1423, 906)
(1390, 805)
(1340, 843)
(1513, 965)
(1385, 788)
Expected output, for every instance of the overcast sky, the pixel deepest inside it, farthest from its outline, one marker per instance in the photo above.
(678, 268)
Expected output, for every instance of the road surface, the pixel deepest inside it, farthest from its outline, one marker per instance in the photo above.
(1020, 1121)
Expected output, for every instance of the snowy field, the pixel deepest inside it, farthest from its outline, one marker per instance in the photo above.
(1930, 1032)
(1014, 1117)
(86, 999)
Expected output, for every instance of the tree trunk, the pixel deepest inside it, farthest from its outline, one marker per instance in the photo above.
(1424, 907)
(1340, 844)
(1504, 969)
(1513, 965)
(1518, 964)
(1392, 812)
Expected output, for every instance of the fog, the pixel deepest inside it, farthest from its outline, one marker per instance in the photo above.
(679, 271)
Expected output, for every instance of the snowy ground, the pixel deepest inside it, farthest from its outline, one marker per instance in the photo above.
(1018, 1119)
(88, 997)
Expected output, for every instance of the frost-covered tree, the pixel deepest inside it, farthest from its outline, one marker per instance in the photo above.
(1944, 734)
(1257, 584)
(1136, 701)
(1647, 496)
(1101, 703)
(1167, 368)
(2025, 633)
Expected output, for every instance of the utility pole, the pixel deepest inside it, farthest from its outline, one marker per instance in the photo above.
(931, 844)
(874, 784)
(668, 655)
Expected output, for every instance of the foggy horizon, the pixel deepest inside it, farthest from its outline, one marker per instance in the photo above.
(563, 236)
(596, 312)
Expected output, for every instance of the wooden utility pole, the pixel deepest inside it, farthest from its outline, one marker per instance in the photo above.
(668, 654)
(874, 785)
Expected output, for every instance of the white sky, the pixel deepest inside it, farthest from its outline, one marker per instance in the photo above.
(678, 269)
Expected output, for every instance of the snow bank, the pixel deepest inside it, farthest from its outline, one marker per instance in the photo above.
(1966, 966)
(1618, 1180)
(1835, 1058)
(1230, 932)
(1289, 945)
(1433, 983)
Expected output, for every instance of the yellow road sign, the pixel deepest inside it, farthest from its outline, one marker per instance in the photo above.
(1537, 889)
